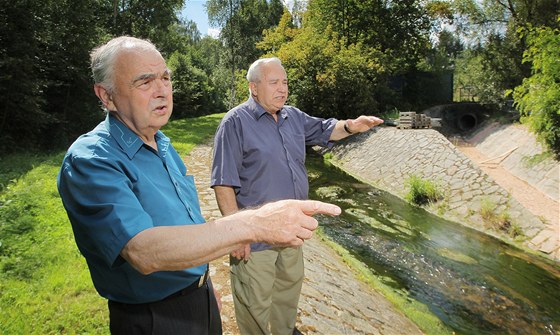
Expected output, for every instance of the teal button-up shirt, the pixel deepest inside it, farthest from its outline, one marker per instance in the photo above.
(114, 186)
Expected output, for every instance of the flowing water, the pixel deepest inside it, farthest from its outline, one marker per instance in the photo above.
(474, 283)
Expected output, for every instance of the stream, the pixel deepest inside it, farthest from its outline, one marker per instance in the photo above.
(473, 282)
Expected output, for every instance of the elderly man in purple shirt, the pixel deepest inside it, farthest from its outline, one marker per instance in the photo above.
(259, 156)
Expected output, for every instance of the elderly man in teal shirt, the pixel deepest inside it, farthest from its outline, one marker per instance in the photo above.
(135, 212)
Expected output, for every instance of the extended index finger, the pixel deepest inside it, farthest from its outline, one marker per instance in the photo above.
(312, 207)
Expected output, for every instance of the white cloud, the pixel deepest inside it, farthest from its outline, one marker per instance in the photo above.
(213, 32)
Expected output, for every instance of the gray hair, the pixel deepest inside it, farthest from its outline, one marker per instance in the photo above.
(255, 70)
(103, 58)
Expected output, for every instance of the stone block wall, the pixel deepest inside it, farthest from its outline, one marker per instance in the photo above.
(386, 157)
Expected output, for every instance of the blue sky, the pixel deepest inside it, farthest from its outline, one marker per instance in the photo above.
(194, 10)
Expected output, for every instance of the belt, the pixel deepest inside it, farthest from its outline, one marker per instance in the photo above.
(192, 287)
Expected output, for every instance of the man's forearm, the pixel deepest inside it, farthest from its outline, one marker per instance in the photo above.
(169, 248)
(225, 197)
(339, 132)
(345, 128)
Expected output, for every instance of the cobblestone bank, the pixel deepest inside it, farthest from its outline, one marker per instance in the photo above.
(386, 157)
(333, 300)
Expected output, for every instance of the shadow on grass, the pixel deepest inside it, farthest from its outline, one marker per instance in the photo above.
(14, 166)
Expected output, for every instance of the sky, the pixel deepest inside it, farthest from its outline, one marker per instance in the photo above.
(194, 10)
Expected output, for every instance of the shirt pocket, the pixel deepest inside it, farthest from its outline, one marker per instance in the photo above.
(295, 144)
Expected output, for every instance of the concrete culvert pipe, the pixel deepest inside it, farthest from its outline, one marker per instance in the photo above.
(467, 121)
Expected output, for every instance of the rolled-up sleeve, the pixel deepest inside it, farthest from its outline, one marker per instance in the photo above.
(228, 154)
(317, 130)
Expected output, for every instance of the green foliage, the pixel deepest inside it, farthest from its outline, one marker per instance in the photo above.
(191, 87)
(494, 65)
(538, 97)
(21, 115)
(421, 192)
(399, 29)
(142, 18)
(45, 286)
(442, 56)
(342, 59)
(242, 23)
(45, 86)
(327, 77)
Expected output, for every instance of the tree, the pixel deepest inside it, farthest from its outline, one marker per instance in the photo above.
(327, 76)
(45, 85)
(196, 88)
(342, 59)
(491, 27)
(399, 29)
(178, 37)
(45, 72)
(242, 23)
(70, 104)
(189, 86)
(143, 18)
(20, 80)
(538, 97)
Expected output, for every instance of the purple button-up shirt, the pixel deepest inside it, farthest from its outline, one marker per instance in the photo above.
(264, 160)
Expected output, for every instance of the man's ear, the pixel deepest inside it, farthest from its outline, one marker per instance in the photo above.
(105, 96)
(253, 88)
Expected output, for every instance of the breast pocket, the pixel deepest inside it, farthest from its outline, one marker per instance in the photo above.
(295, 145)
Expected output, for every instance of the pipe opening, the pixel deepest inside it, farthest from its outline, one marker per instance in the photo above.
(467, 121)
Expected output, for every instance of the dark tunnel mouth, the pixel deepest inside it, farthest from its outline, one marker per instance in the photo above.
(467, 121)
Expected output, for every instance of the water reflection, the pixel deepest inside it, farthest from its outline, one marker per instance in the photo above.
(474, 283)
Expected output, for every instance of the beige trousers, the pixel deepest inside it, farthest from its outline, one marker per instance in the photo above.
(266, 291)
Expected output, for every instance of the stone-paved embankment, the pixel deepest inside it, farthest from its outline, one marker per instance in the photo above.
(513, 147)
(386, 157)
(333, 300)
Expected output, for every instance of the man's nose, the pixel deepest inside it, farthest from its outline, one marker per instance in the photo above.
(162, 86)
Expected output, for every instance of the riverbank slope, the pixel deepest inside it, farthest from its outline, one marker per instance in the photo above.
(333, 300)
(386, 157)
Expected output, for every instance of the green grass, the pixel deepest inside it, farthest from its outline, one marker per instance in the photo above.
(187, 133)
(532, 161)
(45, 286)
(499, 221)
(422, 191)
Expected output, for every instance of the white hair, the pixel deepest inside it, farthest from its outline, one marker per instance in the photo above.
(103, 58)
(254, 75)
(255, 70)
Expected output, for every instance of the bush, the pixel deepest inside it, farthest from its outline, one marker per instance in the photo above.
(538, 97)
(422, 191)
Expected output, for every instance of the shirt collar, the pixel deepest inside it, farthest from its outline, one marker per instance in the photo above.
(129, 142)
(258, 111)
